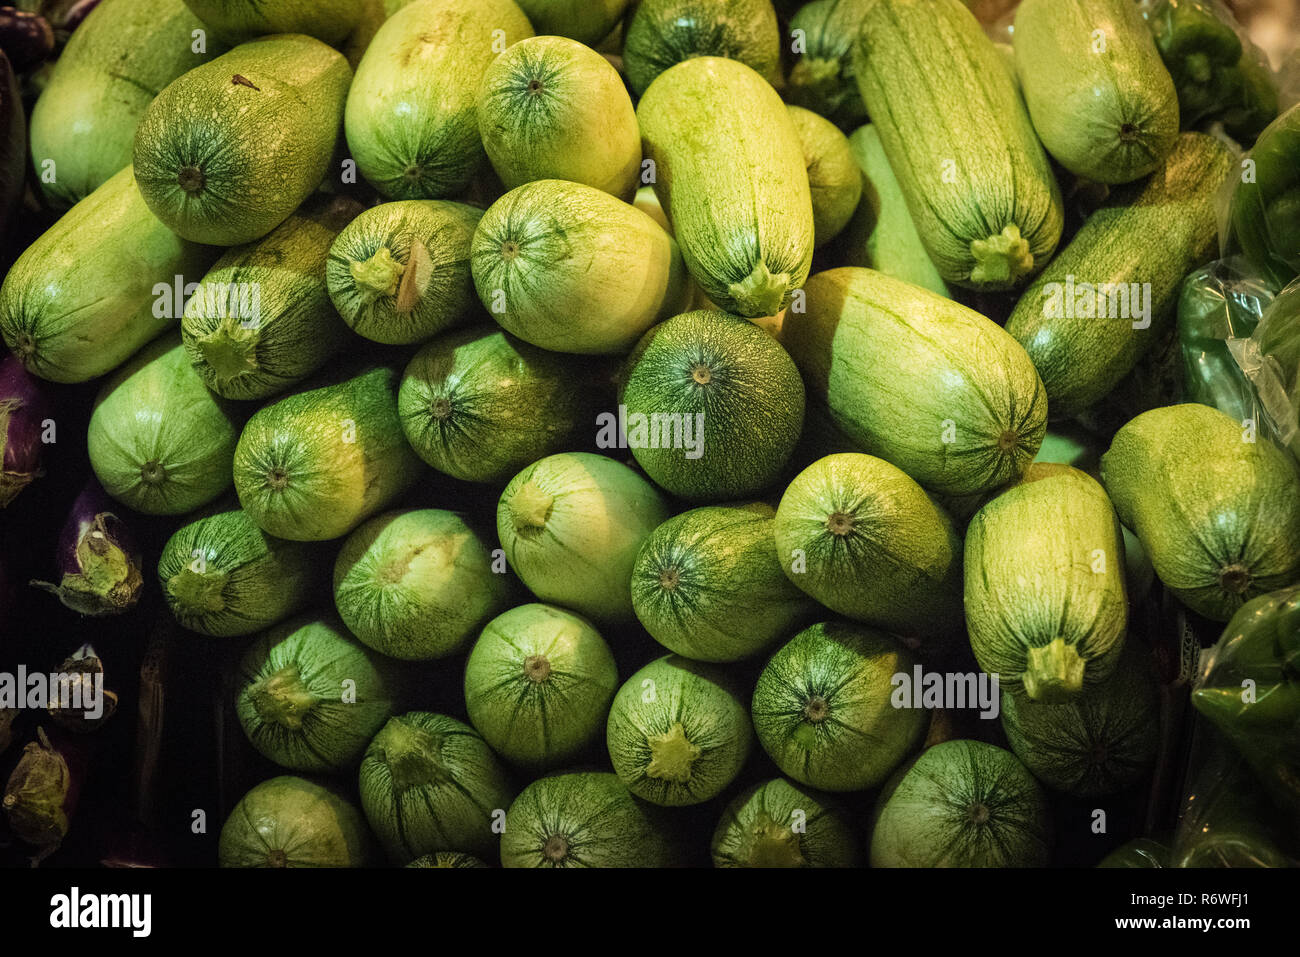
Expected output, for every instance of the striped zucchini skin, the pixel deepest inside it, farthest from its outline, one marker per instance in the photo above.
(821, 78)
(920, 381)
(729, 171)
(1153, 232)
(1044, 591)
(410, 120)
(978, 183)
(1111, 114)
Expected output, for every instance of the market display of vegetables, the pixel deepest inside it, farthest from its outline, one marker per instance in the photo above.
(675, 433)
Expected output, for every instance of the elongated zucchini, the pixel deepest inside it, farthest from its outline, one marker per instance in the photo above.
(730, 174)
(1112, 115)
(920, 381)
(957, 135)
(1100, 304)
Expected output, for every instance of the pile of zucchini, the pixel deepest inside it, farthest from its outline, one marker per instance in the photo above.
(596, 426)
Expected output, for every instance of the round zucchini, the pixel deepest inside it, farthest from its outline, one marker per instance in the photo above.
(586, 819)
(399, 273)
(961, 804)
(158, 440)
(416, 585)
(822, 707)
(1098, 744)
(714, 406)
(550, 108)
(479, 404)
(447, 859)
(708, 584)
(571, 268)
(571, 526)
(293, 822)
(677, 732)
(317, 463)
(779, 824)
(430, 783)
(662, 33)
(261, 319)
(228, 150)
(587, 21)
(223, 576)
(863, 539)
(538, 685)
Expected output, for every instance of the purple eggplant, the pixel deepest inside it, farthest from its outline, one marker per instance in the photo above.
(87, 704)
(98, 558)
(26, 38)
(75, 14)
(13, 144)
(41, 794)
(24, 411)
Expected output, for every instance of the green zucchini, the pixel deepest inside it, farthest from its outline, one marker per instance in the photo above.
(97, 285)
(223, 576)
(714, 406)
(1044, 594)
(538, 683)
(228, 150)
(237, 21)
(317, 463)
(881, 233)
(587, 21)
(1194, 486)
(1112, 116)
(834, 179)
(821, 77)
(730, 174)
(962, 804)
(1098, 744)
(479, 404)
(571, 526)
(417, 584)
(1144, 240)
(570, 268)
(678, 732)
(822, 707)
(587, 819)
(447, 859)
(550, 108)
(862, 538)
(430, 783)
(261, 319)
(976, 179)
(922, 382)
(310, 696)
(289, 821)
(399, 272)
(115, 63)
(662, 33)
(410, 118)
(158, 440)
(779, 824)
(708, 584)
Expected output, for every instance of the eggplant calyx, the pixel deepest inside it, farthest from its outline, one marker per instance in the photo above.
(283, 698)
(107, 580)
(11, 483)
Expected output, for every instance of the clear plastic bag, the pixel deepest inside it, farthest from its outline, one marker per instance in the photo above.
(1246, 772)
(1217, 304)
(1270, 359)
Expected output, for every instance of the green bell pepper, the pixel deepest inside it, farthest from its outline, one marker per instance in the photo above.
(1266, 205)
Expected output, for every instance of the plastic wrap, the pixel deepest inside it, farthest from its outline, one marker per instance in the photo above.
(1220, 303)
(1220, 75)
(1263, 214)
(1248, 688)
(1270, 359)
